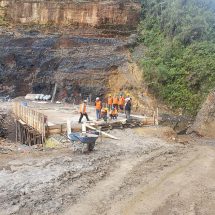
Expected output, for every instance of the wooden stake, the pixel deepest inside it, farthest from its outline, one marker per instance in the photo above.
(157, 117)
(54, 93)
(16, 131)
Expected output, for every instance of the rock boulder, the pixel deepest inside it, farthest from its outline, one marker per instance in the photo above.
(204, 124)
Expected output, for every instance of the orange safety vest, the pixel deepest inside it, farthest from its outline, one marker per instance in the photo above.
(98, 105)
(121, 101)
(83, 108)
(115, 101)
(114, 112)
(110, 101)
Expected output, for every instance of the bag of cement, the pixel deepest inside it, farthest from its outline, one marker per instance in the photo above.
(41, 96)
(44, 98)
(48, 97)
(37, 97)
(30, 96)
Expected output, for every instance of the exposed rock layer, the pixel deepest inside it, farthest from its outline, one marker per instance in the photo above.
(80, 57)
(80, 63)
(94, 13)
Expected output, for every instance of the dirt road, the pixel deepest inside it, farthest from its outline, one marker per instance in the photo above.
(141, 174)
(161, 183)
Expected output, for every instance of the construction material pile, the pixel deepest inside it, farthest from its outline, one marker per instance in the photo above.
(132, 123)
(38, 97)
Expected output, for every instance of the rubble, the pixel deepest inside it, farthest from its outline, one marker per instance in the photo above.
(179, 124)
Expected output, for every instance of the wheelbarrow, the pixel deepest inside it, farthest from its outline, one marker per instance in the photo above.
(87, 140)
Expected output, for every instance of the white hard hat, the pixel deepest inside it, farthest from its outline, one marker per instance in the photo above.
(85, 101)
(97, 98)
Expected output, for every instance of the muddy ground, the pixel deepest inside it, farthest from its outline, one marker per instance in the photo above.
(146, 172)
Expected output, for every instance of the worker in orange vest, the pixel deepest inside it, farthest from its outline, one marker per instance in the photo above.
(83, 111)
(121, 103)
(110, 102)
(115, 102)
(98, 105)
(113, 113)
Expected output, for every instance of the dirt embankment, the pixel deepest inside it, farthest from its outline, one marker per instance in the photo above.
(7, 124)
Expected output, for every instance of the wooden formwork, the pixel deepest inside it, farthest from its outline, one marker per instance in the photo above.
(31, 125)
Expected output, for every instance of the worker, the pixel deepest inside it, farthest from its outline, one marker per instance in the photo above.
(98, 105)
(83, 111)
(113, 113)
(104, 113)
(110, 102)
(115, 102)
(128, 108)
(121, 103)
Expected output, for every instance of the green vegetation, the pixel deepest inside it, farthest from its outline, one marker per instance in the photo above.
(179, 62)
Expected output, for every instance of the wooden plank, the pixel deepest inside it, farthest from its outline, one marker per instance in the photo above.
(54, 131)
(102, 132)
(54, 93)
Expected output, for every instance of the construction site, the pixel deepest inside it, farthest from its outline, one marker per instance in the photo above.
(66, 147)
(135, 167)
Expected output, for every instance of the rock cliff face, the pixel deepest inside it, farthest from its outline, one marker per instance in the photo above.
(94, 13)
(80, 63)
(82, 57)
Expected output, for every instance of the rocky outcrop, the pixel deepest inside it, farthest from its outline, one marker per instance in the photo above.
(97, 13)
(82, 63)
(179, 124)
(77, 48)
(204, 124)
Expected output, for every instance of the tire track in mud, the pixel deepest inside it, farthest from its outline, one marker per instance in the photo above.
(175, 190)
(120, 183)
(64, 182)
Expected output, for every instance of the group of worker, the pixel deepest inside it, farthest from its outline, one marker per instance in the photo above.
(114, 105)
